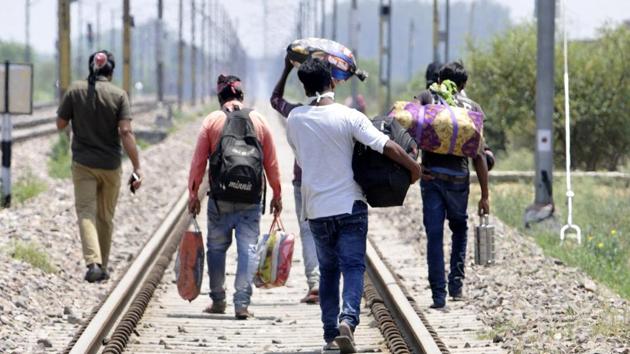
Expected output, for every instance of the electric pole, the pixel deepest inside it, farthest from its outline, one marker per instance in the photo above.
(354, 39)
(158, 51)
(543, 203)
(126, 48)
(436, 32)
(80, 37)
(323, 16)
(211, 53)
(315, 18)
(27, 32)
(300, 24)
(180, 56)
(98, 26)
(385, 43)
(315, 14)
(447, 30)
(471, 20)
(334, 21)
(112, 37)
(226, 39)
(193, 55)
(265, 29)
(216, 38)
(411, 48)
(63, 45)
(203, 50)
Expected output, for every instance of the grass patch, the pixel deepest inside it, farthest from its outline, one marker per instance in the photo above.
(59, 161)
(611, 324)
(181, 118)
(516, 160)
(500, 329)
(142, 144)
(27, 188)
(601, 210)
(30, 253)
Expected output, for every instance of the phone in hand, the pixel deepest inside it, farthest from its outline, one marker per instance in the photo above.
(134, 178)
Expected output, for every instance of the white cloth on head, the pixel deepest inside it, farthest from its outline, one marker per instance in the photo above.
(322, 139)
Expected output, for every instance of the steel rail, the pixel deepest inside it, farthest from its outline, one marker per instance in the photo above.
(118, 300)
(139, 108)
(415, 332)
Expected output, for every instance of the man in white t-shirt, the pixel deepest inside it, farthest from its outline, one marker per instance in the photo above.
(322, 136)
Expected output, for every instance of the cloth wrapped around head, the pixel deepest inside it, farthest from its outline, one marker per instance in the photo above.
(228, 88)
(101, 63)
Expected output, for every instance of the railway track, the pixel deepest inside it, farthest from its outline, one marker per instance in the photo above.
(144, 314)
(42, 121)
(111, 327)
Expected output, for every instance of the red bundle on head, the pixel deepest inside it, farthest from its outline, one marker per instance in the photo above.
(229, 87)
(100, 59)
(232, 84)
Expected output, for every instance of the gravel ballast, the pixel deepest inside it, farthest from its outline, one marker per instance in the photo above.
(531, 303)
(41, 311)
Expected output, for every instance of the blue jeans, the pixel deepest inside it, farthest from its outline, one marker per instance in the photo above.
(442, 199)
(309, 252)
(340, 242)
(246, 224)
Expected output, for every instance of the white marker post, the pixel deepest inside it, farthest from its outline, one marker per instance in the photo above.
(16, 97)
(570, 226)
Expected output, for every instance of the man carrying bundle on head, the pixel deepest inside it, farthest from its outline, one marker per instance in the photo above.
(298, 51)
(101, 119)
(322, 135)
(239, 145)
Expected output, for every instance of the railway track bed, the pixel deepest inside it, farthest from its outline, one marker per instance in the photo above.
(163, 322)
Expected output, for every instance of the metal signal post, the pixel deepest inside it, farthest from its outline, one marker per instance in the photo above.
(127, 23)
(543, 206)
(158, 52)
(354, 43)
(63, 43)
(385, 53)
(180, 57)
(193, 54)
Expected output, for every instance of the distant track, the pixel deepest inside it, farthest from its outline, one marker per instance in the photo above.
(30, 127)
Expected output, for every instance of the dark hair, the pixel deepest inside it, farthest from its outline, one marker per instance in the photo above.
(106, 70)
(432, 73)
(455, 72)
(316, 75)
(229, 88)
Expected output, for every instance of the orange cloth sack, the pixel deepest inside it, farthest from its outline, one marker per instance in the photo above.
(189, 263)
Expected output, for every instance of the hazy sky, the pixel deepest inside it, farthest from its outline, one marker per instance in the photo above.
(584, 17)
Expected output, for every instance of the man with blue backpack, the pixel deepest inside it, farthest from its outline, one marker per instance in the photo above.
(445, 186)
(240, 148)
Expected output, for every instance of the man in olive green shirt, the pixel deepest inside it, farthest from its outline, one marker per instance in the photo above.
(101, 119)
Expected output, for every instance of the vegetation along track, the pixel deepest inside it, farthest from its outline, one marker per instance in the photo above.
(111, 325)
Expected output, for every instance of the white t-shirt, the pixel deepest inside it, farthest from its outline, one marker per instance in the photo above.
(322, 139)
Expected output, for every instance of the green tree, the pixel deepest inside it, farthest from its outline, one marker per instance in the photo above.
(599, 87)
(502, 78)
(43, 66)
(503, 81)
